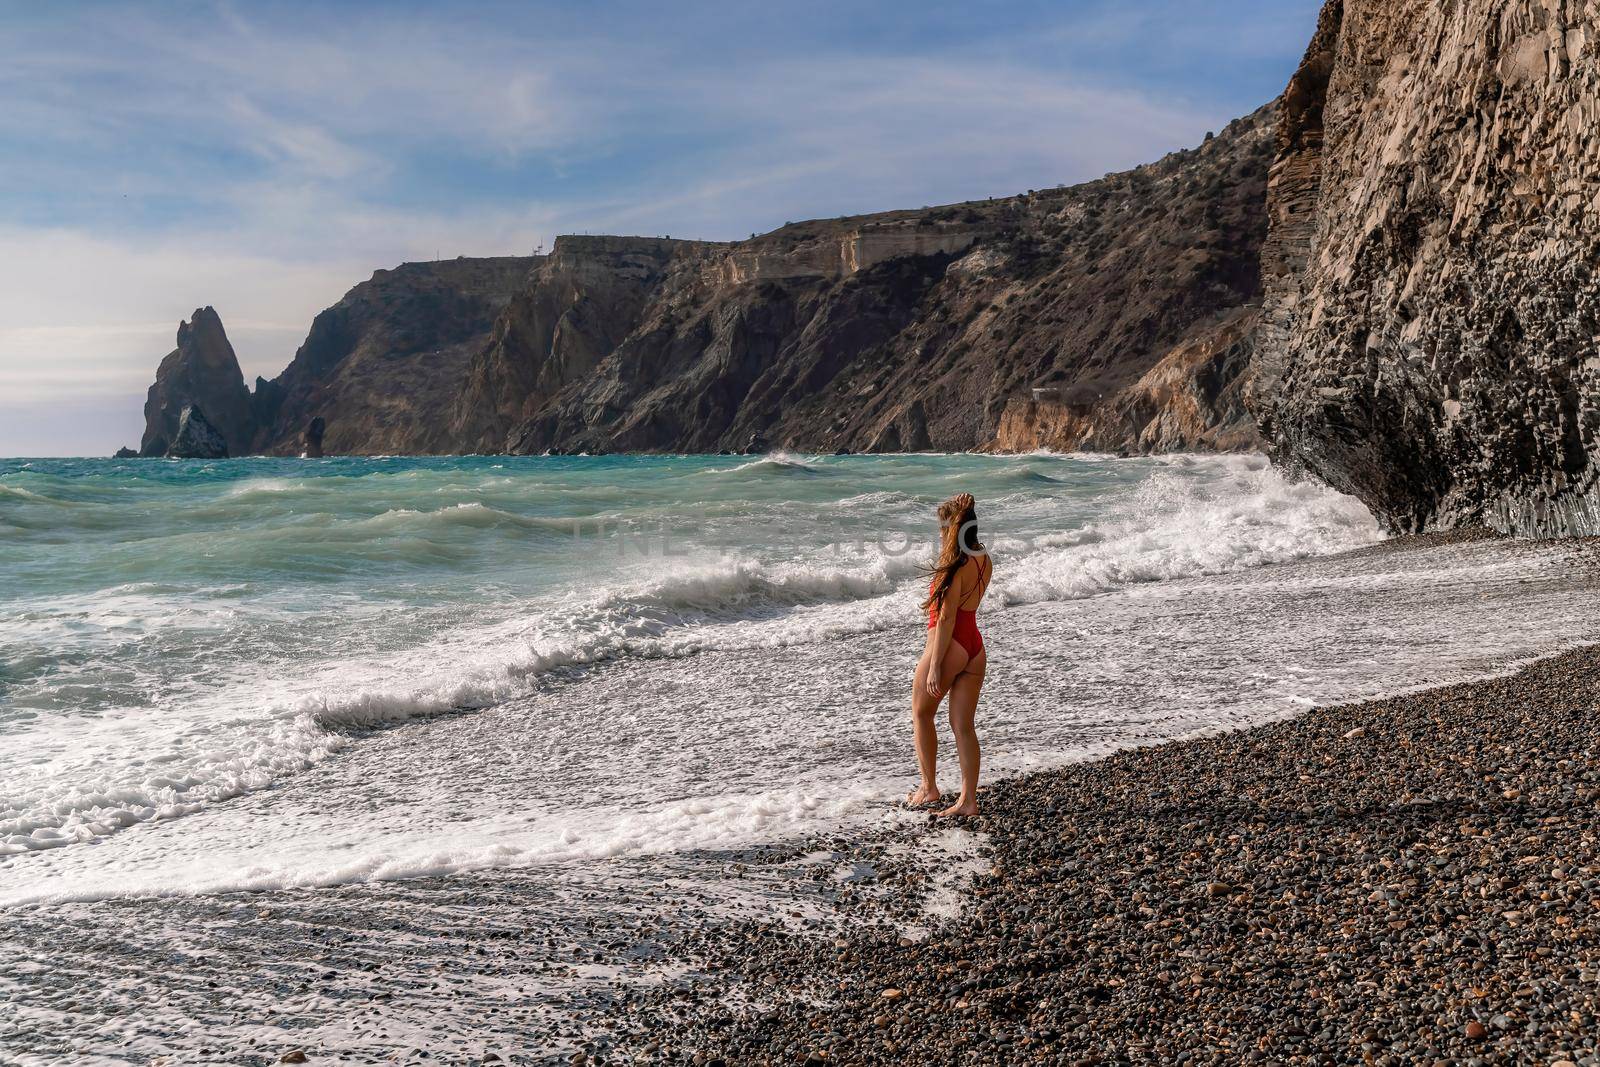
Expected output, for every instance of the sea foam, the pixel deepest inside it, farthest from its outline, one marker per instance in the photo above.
(255, 723)
(263, 688)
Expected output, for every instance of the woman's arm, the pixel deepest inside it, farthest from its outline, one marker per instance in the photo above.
(945, 630)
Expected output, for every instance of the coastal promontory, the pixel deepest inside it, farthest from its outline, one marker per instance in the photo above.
(1114, 315)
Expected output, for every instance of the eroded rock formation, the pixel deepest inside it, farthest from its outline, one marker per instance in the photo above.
(1432, 337)
(578, 305)
(1192, 400)
(202, 370)
(196, 437)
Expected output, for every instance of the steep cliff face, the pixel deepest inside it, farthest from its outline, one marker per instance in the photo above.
(1432, 339)
(903, 330)
(202, 371)
(382, 367)
(578, 304)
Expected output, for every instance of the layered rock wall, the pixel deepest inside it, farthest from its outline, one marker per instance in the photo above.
(1433, 302)
(1192, 400)
(571, 312)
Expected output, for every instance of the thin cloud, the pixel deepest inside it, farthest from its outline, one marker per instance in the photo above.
(301, 146)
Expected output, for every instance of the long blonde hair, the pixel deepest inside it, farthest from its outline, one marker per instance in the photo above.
(958, 539)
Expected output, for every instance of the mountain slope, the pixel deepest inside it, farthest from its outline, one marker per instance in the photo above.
(903, 330)
(1027, 321)
(383, 365)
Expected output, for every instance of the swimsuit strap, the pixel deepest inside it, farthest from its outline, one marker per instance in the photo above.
(981, 560)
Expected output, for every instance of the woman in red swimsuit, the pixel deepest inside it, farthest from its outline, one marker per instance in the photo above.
(953, 659)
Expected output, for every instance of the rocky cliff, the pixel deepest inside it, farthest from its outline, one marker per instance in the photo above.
(379, 372)
(1111, 315)
(1394, 273)
(1432, 315)
(1193, 399)
(578, 305)
(383, 367)
(202, 371)
(196, 437)
(902, 330)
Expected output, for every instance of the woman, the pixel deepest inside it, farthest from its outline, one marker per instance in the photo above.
(953, 659)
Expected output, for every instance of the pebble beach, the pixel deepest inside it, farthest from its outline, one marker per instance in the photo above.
(1410, 880)
(1401, 880)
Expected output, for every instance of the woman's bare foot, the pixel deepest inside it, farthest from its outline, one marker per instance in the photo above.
(961, 807)
(923, 795)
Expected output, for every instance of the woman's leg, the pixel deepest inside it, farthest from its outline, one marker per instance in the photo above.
(923, 710)
(963, 710)
(924, 736)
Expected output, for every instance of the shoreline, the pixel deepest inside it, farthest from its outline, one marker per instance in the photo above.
(688, 957)
(1410, 879)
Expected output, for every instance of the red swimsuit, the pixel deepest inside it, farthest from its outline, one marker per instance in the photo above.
(966, 632)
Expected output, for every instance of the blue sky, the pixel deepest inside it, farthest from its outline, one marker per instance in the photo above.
(265, 157)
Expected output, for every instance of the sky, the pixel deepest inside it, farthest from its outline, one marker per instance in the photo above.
(263, 158)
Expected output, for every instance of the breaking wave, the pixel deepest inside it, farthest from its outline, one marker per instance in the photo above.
(256, 724)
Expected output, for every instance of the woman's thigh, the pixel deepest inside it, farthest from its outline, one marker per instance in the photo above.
(965, 688)
(955, 662)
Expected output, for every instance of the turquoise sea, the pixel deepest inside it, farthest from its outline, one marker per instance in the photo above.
(200, 662)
